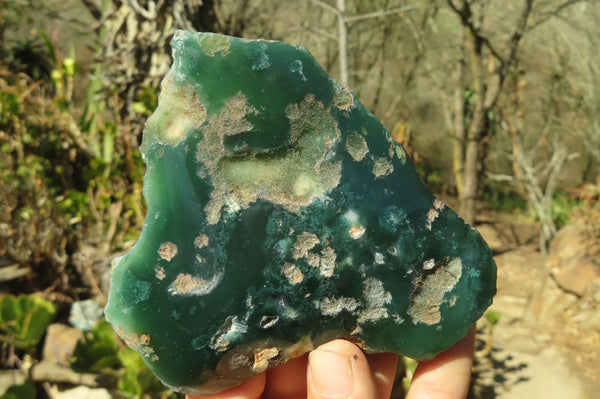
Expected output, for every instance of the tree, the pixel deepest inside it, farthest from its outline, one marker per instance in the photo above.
(544, 104)
(476, 92)
(133, 37)
(538, 163)
(588, 81)
(485, 57)
(340, 10)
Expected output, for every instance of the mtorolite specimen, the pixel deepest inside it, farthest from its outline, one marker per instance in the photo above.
(282, 215)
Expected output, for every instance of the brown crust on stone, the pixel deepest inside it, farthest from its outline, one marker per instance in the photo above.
(167, 251)
(212, 44)
(293, 273)
(262, 358)
(428, 293)
(304, 243)
(160, 272)
(356, 145)
(328, 257)
(292, 177)
(201, 241)
(382, 167)
(186, 284)
(344, 100)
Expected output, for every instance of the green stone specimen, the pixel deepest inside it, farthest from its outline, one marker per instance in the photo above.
(282, 215)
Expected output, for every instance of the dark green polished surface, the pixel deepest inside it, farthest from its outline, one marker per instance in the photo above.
(282, 215)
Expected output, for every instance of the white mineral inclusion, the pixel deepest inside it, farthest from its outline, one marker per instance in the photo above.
(351, 216)
(298, 68)
(268, 321)
(356, 230)
(230, 330)
(304, 185)
(115, 262)
(261, 58)
(428, 264)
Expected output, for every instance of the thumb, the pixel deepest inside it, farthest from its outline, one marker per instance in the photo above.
(339, 369)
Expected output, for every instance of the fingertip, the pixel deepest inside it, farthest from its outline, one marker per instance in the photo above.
(287, 380)
(447, 375)
(252, 388)
(383, 368)
(339, 369)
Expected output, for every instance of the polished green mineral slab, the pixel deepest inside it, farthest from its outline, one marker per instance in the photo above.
(281, 215)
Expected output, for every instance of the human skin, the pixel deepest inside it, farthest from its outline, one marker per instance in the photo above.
(340, 369)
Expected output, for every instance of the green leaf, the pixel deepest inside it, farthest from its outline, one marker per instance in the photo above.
(128, 383)
(38, 320)
(129, 358)
(140, 108)
(96, 351)
(50, 48)
(24, 391)
(137, 378)
(492, 317)
(104, 332)
(107, 362)
(8, 308)
(108, 149)
(25, 318)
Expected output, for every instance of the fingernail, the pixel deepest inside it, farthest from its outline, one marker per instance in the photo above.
(330, 374)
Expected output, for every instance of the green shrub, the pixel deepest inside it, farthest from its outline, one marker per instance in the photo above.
(63, 165)
(97, 351)
(24, 319)
(562, 208)
(23, 391)
(432, 176)
(503, 197)
(410, 366)
(101, 352)
(136, 379)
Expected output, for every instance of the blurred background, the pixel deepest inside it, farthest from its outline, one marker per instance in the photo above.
(496, 102)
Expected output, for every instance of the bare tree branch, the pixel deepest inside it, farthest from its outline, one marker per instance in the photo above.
(326, 6)
(466, 15)
(93, 8)
(150, 13)
(381, 13)
(556, 12)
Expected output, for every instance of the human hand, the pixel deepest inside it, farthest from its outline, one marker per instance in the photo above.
(339, 369)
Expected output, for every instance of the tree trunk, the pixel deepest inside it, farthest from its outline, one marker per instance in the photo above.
(458, 139)
(468, 197)
(343, 41)
(469, 149)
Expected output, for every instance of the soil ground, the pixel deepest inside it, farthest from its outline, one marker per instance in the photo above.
(546, 343)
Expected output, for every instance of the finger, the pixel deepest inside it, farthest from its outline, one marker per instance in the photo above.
(252, 388)
(447, 375)
(383, 368)
(287, 381)
(339, 369)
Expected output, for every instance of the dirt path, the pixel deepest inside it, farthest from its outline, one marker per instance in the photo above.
(532, 354)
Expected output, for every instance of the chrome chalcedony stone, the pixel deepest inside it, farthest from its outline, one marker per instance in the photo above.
(281, 215)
